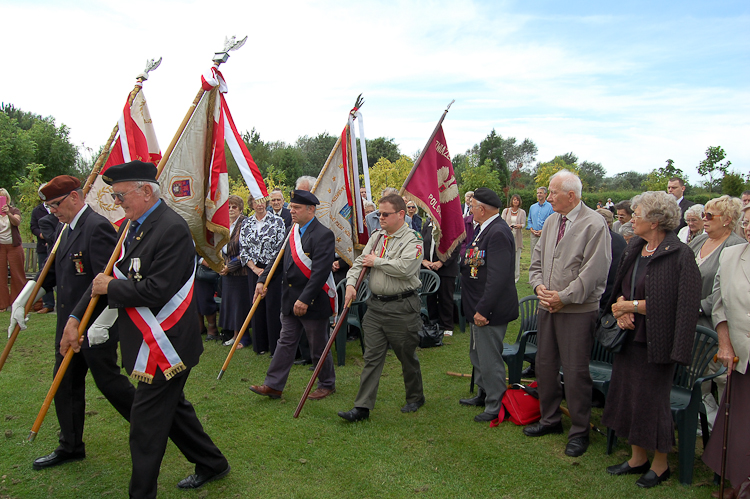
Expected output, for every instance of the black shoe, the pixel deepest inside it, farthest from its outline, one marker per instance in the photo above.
(194, 481)
(529, 372)
(212, 337)
(577, 446)
(477, 401)
(538, 429)
(56, 458)
(626, 469)
(485, 417)
(412, 407)
(302, 362)
(356, 414)
(651, 479)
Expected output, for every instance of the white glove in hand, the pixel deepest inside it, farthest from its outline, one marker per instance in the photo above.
(99, 331)
(17, 311)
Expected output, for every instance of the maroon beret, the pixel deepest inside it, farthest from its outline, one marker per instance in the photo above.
(59, 186)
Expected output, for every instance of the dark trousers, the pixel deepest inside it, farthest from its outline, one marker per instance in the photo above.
(292, 329)
(565, 340)
(48, 300)
(70, 399)
(265, 322)
(440, 304)
(160, 411)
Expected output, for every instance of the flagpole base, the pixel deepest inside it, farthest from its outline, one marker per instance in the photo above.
(32, 436)
(221, 373)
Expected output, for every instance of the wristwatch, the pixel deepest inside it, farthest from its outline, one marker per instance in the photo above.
(635, 306)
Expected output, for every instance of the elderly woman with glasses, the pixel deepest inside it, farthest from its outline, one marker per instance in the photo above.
(660, 315)
(235, 293)
(11, 251)
(416, 220)
(694, 227)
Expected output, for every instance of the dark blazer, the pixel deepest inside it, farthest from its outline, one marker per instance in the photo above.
(50, 226)
(318, 243)
(285, 214)
(684, 205)
(416, 223)
(37, 213)
(450, 266)
(167, 255)
(493, 292)
(83, 253)
(673, 295)
(618, 247)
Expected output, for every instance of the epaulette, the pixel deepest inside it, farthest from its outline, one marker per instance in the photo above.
(418, 234)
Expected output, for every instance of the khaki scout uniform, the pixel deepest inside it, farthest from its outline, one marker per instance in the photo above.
(392, 311)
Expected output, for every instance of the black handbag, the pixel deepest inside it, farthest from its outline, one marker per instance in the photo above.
(207, 274)
(430, 335)
(608, 333)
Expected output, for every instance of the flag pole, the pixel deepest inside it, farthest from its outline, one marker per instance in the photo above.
(424, 150)
(51, 257)
(250, 314)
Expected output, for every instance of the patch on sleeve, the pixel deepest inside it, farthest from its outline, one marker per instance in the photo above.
(418, 234)
(419, 250)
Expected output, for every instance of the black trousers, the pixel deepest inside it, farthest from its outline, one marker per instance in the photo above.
(266, 321)
(440, 304)
(160, 411)
(70, 400)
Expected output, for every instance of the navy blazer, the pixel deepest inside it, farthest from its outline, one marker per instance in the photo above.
(318, 243)
(166, 251)
(82, 254)
(492, 292)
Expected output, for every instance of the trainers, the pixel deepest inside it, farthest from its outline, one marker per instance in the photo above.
(448, 333)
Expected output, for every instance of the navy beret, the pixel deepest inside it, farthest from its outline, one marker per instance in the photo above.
(488, 197)
(303, 197)
(135, 171)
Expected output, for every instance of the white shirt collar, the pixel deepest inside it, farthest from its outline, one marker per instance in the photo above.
(78, 215)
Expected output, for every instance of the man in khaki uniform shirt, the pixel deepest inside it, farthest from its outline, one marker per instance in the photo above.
(394, 255)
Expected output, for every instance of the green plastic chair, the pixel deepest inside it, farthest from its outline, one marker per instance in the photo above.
(430, 284)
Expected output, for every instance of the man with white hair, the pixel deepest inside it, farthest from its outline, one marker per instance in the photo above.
(568, 273)
(305, 183)
(372, 220)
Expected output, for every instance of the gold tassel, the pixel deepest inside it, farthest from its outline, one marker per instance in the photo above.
(174, 370)
(140, 376)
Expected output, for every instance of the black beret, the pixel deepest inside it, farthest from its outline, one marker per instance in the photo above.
(488, 197)
(59, 186)
(135, 171)
(303, 197)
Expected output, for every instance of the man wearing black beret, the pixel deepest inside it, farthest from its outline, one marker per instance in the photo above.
(489, 298)
(152, 290)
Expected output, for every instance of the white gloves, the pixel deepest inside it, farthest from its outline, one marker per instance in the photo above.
(99, 330)
(17, 311)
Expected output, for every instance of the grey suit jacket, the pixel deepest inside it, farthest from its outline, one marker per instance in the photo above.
(577, 267)
(732, 299)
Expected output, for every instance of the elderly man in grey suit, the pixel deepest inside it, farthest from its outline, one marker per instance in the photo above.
(568, 273)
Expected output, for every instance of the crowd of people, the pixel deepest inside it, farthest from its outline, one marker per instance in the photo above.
(657, 268)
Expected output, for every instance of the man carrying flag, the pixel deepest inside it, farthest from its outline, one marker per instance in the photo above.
(308, 298)
(153, 293)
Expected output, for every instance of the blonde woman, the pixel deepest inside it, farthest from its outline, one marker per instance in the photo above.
(11, 251)
(515, 217)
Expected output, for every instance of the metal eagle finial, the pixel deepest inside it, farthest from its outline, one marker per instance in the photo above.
(231, 43)
(151, 64)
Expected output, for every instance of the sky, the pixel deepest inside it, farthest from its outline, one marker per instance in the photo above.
(627, 85)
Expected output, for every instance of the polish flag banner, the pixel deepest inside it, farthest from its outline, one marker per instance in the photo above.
(135, 140)
(432, 185)
(195, 182)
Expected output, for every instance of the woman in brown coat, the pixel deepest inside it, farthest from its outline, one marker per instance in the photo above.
(515, 217)
(660, 315)
(11, 251)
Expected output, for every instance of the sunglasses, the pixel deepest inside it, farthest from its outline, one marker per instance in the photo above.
(386, 215)
(120, 196)
(56, 204)
(707, 215)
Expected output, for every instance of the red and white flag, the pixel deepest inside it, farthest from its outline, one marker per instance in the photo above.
(432, 185)
(194, 180)
(135, 140)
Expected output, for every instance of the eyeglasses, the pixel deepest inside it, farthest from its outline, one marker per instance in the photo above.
(636, 217)
(120, 196)
(386, 215)
(56, 204)
(745, 224)
(411, 207)
(707, 215)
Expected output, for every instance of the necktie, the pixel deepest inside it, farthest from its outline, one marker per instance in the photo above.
(131, 234)
(561, 231)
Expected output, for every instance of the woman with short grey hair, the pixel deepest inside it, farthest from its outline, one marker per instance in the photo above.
(694, 227)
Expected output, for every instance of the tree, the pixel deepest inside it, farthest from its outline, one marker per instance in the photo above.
(546, 170)
(491, 148)
(519, 156)
(625, 181)
(659, 177)
(712, 164)
(732, 184)
(483, 175)
(386, 173)
(592, 175)
(315, 151)
(381, 147)
(16, 150)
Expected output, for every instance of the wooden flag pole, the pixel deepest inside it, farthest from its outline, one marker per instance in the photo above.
(424, 150)
(250, 314)
(51, 257)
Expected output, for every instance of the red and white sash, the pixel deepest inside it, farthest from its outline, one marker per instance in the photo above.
(305, 264)
(156, 349)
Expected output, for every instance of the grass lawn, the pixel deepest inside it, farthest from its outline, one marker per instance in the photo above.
(438, 452)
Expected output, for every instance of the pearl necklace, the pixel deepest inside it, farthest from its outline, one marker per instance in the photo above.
(650, 250)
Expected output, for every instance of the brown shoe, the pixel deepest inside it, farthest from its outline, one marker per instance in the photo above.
(729, 493)
(46, 310)
(266, 390)
(321, 393)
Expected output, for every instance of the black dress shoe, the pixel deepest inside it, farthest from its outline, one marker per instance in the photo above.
(302, 362)
(529, 372)
(485, 417)
(356, 414)
(577, 446)
(56, 458)
(651, 479)
(538, 429)
(626, 469)
(194, 481)
(477, 401)
(412, 407)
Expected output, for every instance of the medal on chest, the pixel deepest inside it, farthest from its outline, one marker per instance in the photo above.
(474, 259)
(133, 271)
(78, 263)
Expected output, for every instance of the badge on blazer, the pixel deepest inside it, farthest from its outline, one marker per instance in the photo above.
(135, 266)
(78, 263)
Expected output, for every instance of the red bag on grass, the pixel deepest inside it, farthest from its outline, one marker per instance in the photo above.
(520, 405)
